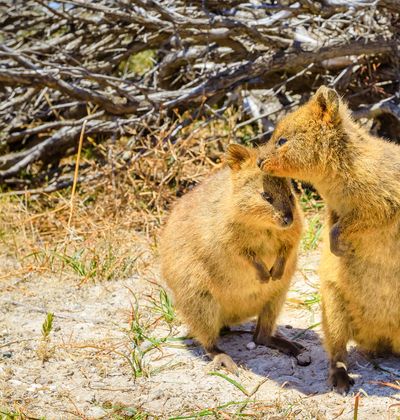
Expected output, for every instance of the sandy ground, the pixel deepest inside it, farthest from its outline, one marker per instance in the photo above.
(88, 374)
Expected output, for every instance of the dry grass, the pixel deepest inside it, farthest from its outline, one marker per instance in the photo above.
(89, 233)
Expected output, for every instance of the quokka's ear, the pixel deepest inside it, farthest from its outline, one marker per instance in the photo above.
(236, 155)
(327, 100)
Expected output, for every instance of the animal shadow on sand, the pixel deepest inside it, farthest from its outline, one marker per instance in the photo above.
(312, 379)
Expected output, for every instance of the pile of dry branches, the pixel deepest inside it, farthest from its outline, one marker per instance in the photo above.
(149, 68)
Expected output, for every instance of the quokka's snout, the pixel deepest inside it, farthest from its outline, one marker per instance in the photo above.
(284, 209)
(287, 218)
(284, 219)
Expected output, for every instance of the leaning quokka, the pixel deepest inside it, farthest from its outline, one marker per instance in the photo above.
(358, 175)
(223, 244)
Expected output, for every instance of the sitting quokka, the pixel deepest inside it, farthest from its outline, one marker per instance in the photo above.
(228, 253)
(359, 177)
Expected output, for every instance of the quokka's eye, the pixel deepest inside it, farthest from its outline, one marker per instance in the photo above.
(267, 197)
(281, 141)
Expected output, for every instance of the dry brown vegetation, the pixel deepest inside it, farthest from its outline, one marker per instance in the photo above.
(126, 197)
(148, 69)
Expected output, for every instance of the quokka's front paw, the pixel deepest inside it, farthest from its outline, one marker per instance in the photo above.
(262, 271)
(338, 247)
(278, 268)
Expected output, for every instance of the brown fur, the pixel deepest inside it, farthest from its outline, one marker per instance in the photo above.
(222, 243)
(359, 177)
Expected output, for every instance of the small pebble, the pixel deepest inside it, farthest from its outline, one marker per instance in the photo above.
(126, 155)
(15, 382)
(96, 412)
(7, 355)
(251, 345)
(157, 394)
(34, 387)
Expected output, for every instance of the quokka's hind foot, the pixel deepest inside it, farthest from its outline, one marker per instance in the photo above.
(224, 361)
(303, 356)
(221, 360)
(339, 379)
(285, 346)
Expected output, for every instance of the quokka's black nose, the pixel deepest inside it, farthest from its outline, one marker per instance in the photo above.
(260, 162)
(288, 219)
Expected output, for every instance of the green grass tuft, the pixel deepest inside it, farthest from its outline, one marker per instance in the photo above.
(164, 306)
(231, 381)
(47, 325)
(313, 234)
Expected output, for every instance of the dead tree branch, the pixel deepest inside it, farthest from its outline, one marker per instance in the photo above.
(128, 68)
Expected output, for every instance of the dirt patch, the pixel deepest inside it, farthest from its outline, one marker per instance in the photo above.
(112, 354)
